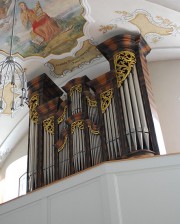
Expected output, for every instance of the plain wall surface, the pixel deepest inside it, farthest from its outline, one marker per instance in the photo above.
(165, 78)
(19, 151)
(120, 192)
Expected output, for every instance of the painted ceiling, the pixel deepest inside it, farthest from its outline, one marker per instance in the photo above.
(59, 37)
(62, 35)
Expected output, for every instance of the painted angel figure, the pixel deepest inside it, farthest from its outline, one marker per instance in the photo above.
(44, 28)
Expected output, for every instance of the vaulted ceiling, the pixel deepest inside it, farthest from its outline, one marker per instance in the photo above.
(59, 38)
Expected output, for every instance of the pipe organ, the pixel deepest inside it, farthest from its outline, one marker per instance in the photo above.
(103, 119)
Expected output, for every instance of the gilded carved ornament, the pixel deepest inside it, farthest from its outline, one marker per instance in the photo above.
(33, 104)
(77, 88)
(62, 117)
(64, 143)
(79, 124)
(91, 103)
(95, 132)
(48, 125)
(106, 97)
(123, 63)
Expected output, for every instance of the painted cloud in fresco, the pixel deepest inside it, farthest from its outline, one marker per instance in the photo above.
(41, 28)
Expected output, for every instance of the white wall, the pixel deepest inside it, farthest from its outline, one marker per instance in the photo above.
(19, 151)
(120, 192)
(165, 77)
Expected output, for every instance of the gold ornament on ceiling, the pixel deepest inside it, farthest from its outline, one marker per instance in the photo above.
(152, 28)
(107, 28)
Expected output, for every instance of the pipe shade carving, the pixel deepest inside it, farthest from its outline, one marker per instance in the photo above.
(123, 63)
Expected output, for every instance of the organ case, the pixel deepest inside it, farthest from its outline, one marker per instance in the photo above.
(103, 119)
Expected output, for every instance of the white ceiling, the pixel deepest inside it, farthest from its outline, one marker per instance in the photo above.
(171, 4)
(166, 48)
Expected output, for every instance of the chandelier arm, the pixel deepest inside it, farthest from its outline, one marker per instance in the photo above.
(19, 75)
(16, 71)
(23, 81)
(19, 66)
(4, 81)
(13, 101)
(3, 64)
(13, 72)
(22, 78)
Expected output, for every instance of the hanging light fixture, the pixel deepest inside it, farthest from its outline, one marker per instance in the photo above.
(11, 72)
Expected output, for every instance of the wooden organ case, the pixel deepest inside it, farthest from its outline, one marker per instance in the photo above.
(44, 98)
(103, 119)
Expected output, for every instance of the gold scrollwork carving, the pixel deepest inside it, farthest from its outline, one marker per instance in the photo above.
(48, 125)
(79, 124)
(95, 132)
(106, 99)
(64, 143)
(61, 118)
(77, 88)
(33, 104)
(123, 62)
(91, 103)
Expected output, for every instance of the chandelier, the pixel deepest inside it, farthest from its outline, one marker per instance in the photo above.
(13, 74)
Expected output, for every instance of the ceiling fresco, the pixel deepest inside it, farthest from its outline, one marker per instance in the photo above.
(62, 35)
(152, 28)
(156, 28)
(56, 32)
(85, 56)
(159, 27)
(42, 27)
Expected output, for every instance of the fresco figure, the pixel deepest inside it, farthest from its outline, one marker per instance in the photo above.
(2, 12)
(44, 28)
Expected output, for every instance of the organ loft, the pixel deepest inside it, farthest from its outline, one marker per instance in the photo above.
(107, 118)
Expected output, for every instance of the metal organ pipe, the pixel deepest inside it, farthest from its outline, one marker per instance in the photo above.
(110, 131)
(141, 109)
(130, 114)
(94, 135)
(125, 117)
(32, 155)
(45, 158)
(135, 110)
(115, 133)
